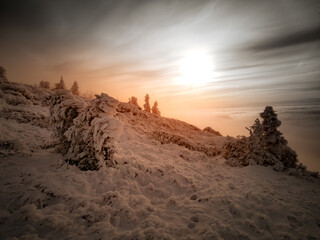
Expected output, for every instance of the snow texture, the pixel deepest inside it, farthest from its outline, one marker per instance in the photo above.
(161, 181)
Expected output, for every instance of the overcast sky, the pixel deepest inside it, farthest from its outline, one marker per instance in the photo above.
(263, 53)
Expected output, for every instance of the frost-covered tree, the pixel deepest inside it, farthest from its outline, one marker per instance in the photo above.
(289, 157)
(44, 84)
(273, 140)
(133, 100)
(256, 134)
(147, 104)
(257, 154)
(61, 84)
(75, 88)
(272, 137)
(3, 73)
(155, 109)
(265, 145)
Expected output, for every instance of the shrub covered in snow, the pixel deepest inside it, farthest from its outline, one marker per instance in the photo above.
(235, 152)
(86, 130)
(301, 171)
(167, 137)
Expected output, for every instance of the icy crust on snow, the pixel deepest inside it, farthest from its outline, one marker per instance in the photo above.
(92, 133)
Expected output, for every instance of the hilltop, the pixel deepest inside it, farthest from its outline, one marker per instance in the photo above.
(74, 168)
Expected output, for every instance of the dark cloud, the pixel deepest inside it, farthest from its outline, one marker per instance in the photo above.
(36, 14)
(22, 14)
(288, 40)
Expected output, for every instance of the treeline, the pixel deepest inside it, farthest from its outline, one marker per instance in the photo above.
(155, 110)
(61, 85)
(75, 91)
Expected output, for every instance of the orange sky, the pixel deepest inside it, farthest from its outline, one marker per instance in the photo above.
(261, 52)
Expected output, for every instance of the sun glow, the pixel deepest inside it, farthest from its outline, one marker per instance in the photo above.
(196, 68)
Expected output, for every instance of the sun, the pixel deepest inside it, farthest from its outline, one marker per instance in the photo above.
(196, 68)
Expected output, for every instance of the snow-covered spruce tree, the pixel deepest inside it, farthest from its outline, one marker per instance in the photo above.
(147, 104)
(273, 142)
(75, 88)
(272, 138)
(60, 85)
(3, 74)
(155, 109)
(86, 130)
(265, 145)
(256, 152)
(44, 84)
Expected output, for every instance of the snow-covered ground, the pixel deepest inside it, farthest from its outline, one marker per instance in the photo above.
(170, 182)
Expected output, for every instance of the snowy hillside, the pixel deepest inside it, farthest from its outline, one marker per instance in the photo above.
(156, 178)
